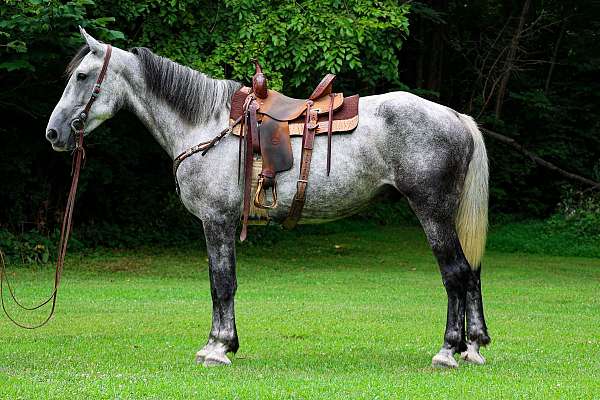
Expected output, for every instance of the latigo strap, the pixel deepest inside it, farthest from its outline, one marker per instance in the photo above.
(250, 136)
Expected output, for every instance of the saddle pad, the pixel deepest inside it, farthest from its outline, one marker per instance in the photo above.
(257, 216)
(345, 119)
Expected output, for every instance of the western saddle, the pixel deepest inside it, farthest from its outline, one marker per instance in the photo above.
(265, 120)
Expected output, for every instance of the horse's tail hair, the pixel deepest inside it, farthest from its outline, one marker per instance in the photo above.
(472, 217)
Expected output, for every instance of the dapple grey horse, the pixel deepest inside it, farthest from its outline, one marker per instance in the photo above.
(432, 154)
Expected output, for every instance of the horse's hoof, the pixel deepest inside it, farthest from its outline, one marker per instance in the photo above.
(215, 360)
(212, 356)
(472, 355)
(444, 359)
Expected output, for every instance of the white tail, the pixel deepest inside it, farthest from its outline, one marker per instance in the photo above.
(472, 217)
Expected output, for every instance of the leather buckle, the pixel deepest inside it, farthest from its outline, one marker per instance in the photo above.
(301, 188)
(313, 120)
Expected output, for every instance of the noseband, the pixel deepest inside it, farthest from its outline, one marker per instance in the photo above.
(78, 128)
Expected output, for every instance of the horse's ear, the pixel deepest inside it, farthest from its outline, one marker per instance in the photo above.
(94, 45)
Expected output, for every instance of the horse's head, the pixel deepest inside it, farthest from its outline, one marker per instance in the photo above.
(83, 72)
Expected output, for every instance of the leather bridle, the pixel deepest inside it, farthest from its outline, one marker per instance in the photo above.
(78, 130)
(78, 123)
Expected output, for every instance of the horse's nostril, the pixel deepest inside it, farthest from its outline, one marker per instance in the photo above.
(52, 135)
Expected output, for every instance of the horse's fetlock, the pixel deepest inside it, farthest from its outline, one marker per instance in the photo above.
(229, 341)
(454, 339)
(479, 336)
(233, 345)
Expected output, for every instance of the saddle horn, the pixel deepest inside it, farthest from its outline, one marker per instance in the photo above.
(259, 82)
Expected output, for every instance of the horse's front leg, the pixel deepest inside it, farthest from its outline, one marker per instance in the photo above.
(220, 243)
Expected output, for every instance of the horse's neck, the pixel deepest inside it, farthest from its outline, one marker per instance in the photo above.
(170, 130)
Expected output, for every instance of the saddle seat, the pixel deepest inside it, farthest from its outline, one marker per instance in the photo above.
(287, 109)
(268, 120)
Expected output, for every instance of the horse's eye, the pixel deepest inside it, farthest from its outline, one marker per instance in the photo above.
(81, 76)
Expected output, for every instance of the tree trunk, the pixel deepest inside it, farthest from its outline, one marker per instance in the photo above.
(510, 59)
(555, 55)
(421, 55)
(436, 54)
(540, 161)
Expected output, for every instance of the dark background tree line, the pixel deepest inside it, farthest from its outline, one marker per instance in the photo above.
(526, 70)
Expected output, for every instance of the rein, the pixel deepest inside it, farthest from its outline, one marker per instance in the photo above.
(77, 127)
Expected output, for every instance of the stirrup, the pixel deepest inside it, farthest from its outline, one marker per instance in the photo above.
(259, 190)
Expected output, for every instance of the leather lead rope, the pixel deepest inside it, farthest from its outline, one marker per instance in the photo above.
(78, 127)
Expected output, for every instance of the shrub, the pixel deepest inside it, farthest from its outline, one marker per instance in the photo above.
(28, 248)
(578, 213)
(573, 230)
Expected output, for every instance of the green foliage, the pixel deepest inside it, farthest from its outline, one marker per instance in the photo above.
(27, 248)
(579, 215)
(126, 196)
(573, 230)
(542, 237)
(34, 32)
(300, 41)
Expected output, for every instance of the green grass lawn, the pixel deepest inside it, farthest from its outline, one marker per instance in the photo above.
(358, 313)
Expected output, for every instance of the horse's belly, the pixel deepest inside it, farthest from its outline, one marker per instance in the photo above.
(354, 181)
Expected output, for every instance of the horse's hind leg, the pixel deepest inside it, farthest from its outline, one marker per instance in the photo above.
(476, 327)
(436, 212)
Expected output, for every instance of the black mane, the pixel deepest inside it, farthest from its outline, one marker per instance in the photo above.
(194, 95)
